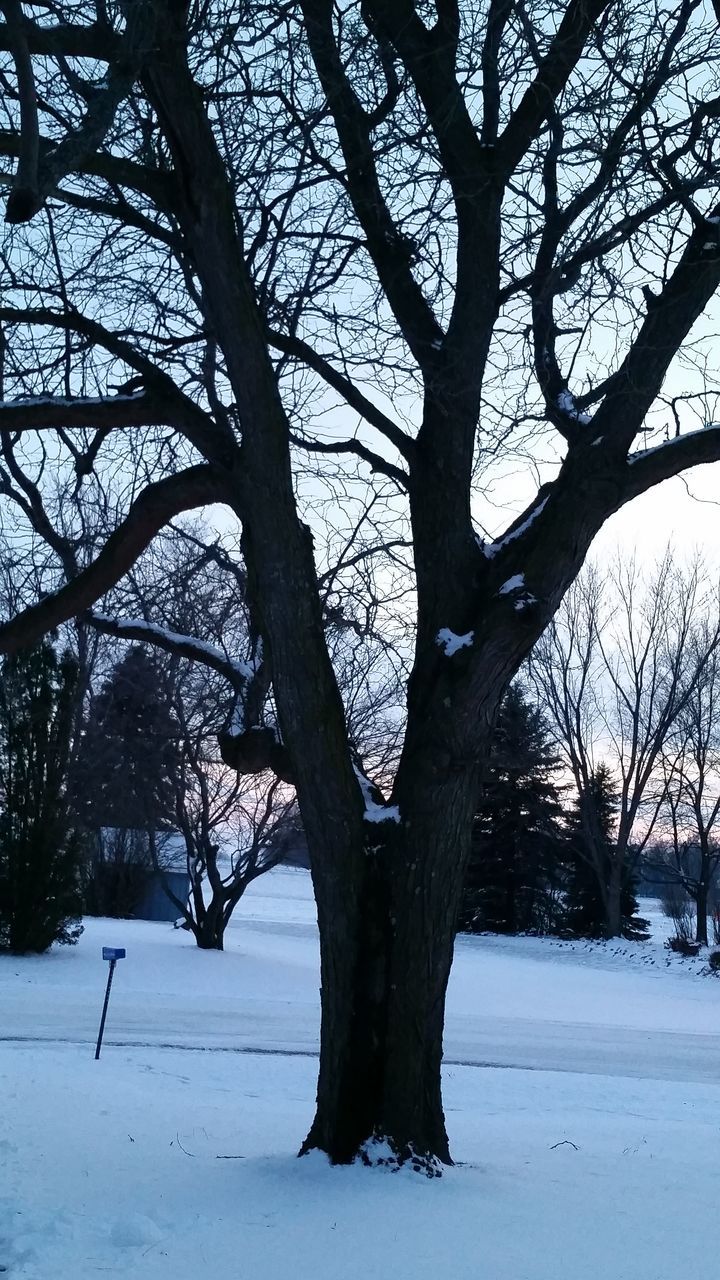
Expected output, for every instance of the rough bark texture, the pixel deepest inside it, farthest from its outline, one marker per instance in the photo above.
(384, 983)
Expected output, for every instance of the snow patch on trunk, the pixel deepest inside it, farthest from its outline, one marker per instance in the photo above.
(374, 811)
(516, 583)
(450, 642)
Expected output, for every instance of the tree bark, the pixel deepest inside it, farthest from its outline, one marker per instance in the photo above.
(613, 923)
(384, 978)
(210, 929)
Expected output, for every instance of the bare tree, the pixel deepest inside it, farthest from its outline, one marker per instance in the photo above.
(402, 239)
(691, 793)
(618, 670)
(233, 828)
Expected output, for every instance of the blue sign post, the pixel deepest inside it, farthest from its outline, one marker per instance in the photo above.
(113, 954)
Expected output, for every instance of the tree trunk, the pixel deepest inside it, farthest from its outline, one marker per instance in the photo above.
(613, 908)
(384, 978)
(701, 913)
(210, 932)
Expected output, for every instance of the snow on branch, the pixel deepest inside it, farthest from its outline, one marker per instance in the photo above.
(566, 404)
(238, 673)
(42, 413)
(491, 549)
(516, 583)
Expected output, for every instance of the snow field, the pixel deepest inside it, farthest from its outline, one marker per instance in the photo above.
(593, 1155)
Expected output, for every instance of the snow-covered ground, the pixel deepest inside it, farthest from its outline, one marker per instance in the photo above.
(594, 1156)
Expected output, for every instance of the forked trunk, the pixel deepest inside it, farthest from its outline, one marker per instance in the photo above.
(210, 935)
(384, 978)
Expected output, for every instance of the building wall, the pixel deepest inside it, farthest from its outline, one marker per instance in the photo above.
(156, 905)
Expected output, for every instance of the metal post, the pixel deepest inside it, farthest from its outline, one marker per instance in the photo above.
(113, 954)
(105, 1008)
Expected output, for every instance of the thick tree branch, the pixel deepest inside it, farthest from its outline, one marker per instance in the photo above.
(238, 674)
(103, 100)
(119, 172)
(553, 74)
(694, 449)
(156, 505)
(71, 40)
(26, 179)
(631, 391)
(50, 413)
(390, 252)
(470, 168)
(213, 439)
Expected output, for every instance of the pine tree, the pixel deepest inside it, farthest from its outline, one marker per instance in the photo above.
(513, 879)
(595, 811)
(129, 750)
(40, 854)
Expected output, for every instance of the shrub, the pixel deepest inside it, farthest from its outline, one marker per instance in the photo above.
(683, 946)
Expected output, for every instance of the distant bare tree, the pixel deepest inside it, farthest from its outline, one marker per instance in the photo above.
(233, 830)
(690, 813)
(618, 670)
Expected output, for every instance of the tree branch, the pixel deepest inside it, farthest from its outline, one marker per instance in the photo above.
(71, 40)
(351, 394)
(694, 449)
(353, 446)
(389, 250)
(553, 74)
(156, 505)
(103, 100)
(158, 187)
(212, 438)
(632, 390)
(26, 179)
(238, 674)
(49, 413)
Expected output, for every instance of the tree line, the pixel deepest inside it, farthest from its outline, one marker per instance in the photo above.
(604, 766)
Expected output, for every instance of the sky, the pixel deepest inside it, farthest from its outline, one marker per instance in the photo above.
(684, 511)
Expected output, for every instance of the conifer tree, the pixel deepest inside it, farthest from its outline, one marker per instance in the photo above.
(514, 875)
(125, 781)
(129, 750)
(40, 893)
(592, 827)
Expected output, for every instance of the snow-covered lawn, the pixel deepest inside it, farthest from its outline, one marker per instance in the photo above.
(595, 1155)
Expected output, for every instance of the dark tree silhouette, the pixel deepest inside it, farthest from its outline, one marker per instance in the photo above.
(129, 749)
(40, 852)
(515, 872)
(593, 828)
(394, 237)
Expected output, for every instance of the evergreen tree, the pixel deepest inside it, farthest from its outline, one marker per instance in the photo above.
(124, 781)
(129, 750)
(591, 827)
(40, 852)
(514, 875)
